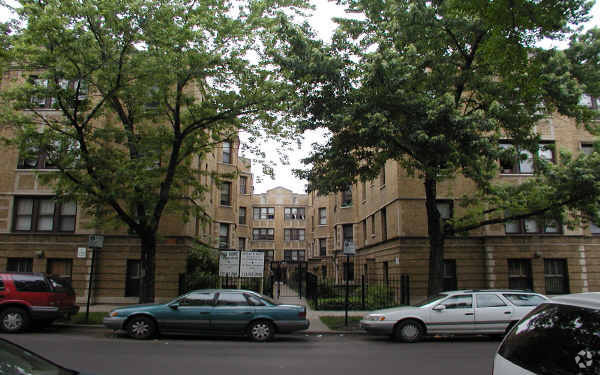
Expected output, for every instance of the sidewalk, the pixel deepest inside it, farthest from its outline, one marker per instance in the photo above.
(316, 326)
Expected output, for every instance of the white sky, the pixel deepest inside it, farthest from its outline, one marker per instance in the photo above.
(321, 22)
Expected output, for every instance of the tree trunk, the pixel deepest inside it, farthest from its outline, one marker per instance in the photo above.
(436, 238)
(148, 267)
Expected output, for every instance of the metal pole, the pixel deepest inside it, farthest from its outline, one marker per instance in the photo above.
(347, 287)
(87, 308)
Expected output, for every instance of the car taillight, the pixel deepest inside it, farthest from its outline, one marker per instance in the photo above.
(302, 314)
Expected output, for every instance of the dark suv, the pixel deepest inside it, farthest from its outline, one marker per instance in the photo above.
(27, 298)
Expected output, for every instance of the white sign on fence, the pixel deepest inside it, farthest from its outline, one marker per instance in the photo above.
(252, 264)
(229, 263)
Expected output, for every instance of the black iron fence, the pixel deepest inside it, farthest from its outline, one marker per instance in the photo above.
(363, 294)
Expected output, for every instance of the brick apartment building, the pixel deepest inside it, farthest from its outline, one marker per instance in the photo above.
(384, 219)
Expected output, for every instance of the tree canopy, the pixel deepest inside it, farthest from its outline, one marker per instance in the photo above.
(436, 86)
(141, 91)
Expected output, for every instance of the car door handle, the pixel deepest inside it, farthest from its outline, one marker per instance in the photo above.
(204, 312)
(246, 313)
(507, 312)
(468, 313)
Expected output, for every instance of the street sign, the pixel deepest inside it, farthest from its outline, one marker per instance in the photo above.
(96, 241)
(229, 263)
(81, 252)
(252, 264)
(349, 248)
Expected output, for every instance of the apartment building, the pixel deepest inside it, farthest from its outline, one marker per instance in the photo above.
(385, 220)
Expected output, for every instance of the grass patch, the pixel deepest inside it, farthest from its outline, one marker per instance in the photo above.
(94, 318)
(336, 323)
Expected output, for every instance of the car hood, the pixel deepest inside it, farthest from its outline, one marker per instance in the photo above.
(392, 310)
(292, 306)
(141, 307)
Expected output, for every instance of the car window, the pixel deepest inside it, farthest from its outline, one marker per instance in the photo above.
(459, 302)
(30, 283)
(197, 299)
(254, 301)
(232, 299)
(16, 360)
(489, 300)
(524, 299)
(430, 300)
(1, 284)
(556, 339)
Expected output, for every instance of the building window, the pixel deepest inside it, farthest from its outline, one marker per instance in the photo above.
(70, 90)
(322, 247)
(348, 237)
(349, 271)
(293, 213)
(533, 225)
(449, 272)
(263, 234)
(242, 243)
(293, 255)
(444, 207)
(226, 194)
(521, 162)
(61, 268)
(19, 265)
(133, 277)
(293, 234)
(44, 215)
(383, 224)
(35, 158)
(322, 216)
(223, 236)
(556, 276)
(243, 185)
(347, 197)
(242, 218)
(264, 213)
(589, 101)
(372, 224)
(227, 152)
(519, 274)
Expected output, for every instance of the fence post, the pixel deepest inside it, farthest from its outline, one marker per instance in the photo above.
(363, 291)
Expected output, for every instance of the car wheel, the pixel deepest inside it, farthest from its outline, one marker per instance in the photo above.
(261, 331)
(141, 328)
(408, 331)
(14, 319)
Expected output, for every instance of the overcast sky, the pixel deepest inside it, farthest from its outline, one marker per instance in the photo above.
(321, 21)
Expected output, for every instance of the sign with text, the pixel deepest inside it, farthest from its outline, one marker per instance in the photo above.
(229, 263)
(349, 248)
(252, 264)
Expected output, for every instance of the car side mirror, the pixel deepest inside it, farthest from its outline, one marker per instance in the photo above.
(174, 306)
(439, 307)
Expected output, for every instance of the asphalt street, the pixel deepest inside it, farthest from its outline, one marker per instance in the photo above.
(100, 352)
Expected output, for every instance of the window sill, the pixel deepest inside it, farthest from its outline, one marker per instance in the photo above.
(346, 206)
(226, 205)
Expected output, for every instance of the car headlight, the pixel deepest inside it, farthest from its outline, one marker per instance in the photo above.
(375, 317)
(114, 313)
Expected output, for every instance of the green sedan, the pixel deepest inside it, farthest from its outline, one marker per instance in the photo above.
(213, 312)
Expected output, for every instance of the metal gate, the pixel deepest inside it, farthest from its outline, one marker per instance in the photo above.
(289, 278)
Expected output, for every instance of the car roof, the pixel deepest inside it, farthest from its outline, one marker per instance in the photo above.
(492, 291)
(589, 300)
(221, 291)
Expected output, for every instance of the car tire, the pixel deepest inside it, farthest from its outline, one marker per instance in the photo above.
(141, 328)
(408, 331)
(14, 319)
(261, 331)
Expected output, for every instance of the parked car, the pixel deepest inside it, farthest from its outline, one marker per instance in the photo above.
(489, 312)
(215, 311)
(15, 359)
(561, 336)
(27, 298)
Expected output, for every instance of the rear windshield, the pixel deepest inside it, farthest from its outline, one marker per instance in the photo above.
(62, 285)
(556, 339)
(524, 299)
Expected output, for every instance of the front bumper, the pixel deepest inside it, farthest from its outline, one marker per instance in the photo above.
(378, 327)
(288, 326)
(114, 323)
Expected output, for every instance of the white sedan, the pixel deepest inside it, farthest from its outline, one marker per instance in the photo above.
(490, 312)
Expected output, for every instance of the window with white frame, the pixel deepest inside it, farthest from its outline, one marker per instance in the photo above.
(293, 213)
(264, 213)
(44, 214)
(322, 216)
(533, 225)
(347, 197)
(226, 194)
(293, 255)
(227, 152)
(521, 161)
(223, 236)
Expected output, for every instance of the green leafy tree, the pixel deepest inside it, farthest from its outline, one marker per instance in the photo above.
(143, 91)
(434, 86)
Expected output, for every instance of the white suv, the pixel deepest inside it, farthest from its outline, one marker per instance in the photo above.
(561, 336)
(489, 311)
